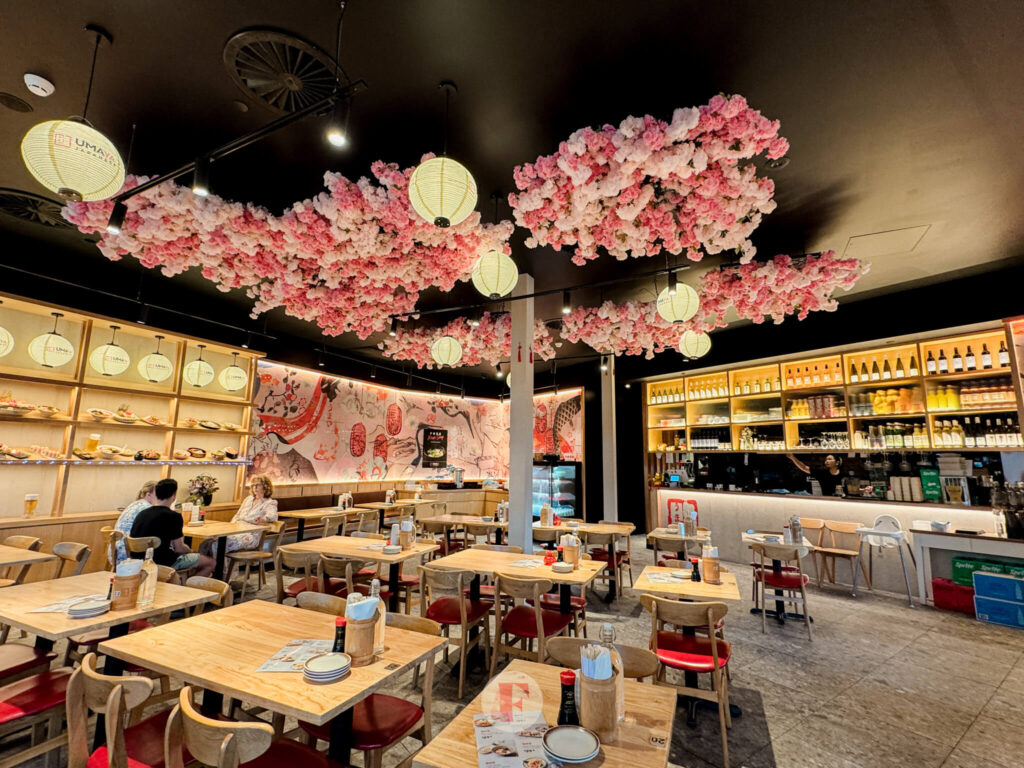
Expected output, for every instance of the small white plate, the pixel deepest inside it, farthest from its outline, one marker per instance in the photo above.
(571, 743)
(680, 574)
(327, 664)
(392, 549)
(562, 568)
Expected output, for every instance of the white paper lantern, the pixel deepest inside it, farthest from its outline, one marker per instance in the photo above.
(51, 350)
(693, 344)
(109, 360)
(233, 378)
(6, 342)
(680, 307)
(155, 367)
(495, 274)
(442, 191)
(73, 159)
(446, 351)
(198, 373)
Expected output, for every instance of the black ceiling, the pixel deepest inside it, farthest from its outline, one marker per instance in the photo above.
(899, 115)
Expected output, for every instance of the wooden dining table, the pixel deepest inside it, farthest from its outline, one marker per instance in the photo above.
(300, 516)
(383, 508)
(453, 521)
(367, 549)
(219, 530)
(12, 556)
(221, 651)
(644, 736)
(664, 584)
(616, 528)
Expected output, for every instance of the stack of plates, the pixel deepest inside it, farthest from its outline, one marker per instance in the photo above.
(392, 549)
(327, 668)
(86, 609)
(571, 744)
(681, 574)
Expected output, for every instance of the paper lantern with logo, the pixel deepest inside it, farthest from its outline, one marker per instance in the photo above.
(156, 366)
(51, 350)
(442, 191)
(198, 373)
(681, 306)
(446, 351)
(110, 359)
(73, 159)
(6, 342)
(495, 274)
(693, 344)
(234, 377)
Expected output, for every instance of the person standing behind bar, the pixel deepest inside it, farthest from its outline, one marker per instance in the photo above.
(828, 477)
(163, 522)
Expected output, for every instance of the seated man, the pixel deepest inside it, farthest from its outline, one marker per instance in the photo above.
(163, 522)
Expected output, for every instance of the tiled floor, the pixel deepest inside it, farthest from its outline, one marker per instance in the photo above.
(880, 685)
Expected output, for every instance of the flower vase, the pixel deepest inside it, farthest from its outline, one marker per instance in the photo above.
(207, 499)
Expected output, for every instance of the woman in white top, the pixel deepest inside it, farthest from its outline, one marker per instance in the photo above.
(126, 519)
(257, 508)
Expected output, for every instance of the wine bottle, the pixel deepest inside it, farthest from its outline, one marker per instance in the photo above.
(756, 387)
(900, 373)
(1000, 434)
(929, 364)
(778, 383)
(746, 386)
(913, 366)
(969, 362)
(816, 377)
(789, 378)
(970, 441)
(958, 362)
(1004, 354)
(986, 357)
(864, 375)
(876, 375)
(943, 361)
(853, 373)
(886, 370)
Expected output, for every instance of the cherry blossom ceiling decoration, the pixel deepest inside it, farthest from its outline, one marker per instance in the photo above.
(345, 259)
(649, 186)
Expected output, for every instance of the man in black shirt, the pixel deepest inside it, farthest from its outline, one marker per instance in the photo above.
(828, 478)
(163, 522)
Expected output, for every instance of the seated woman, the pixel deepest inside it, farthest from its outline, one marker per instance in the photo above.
(127, 518)
(257, 508)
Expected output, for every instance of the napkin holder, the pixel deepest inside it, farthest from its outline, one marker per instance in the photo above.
(407, 539)
(125, 591)
(546, 516)
(711, 567)
(571, 546)
(599, 705)
(359, 639)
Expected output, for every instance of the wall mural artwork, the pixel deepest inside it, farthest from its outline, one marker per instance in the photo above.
(312, 428)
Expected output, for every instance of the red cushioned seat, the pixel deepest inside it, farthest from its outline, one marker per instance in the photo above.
(789, 568)
(377, 721)
(599, 553)
(553, 602)
(16, 658)
(298, 586)
(782, 580)
(690, 653)
(32, 695)
(454, 546)
(285, 753)
(409, 581)
(486, 592)
(671, 562)
(445, 610)
(521, 622)
(144, 744)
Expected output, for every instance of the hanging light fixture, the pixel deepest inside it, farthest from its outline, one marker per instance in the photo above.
(201, 176)
(499, 373)
(110, 359)
(198, 373)
(69, 156)
(394, 327)
(234, 377)
(672, 283)
(117, 218)
(508, 380)
(566, 304)
(373, 371)
(51, 350)
(441, 190)
(680, 307)
(604, 362)
(694, 345)
(446, 351)
(495, 274)
(337, 126)
(156, 366)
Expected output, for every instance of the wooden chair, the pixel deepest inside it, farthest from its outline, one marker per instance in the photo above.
(834, 548)
(449, 543)
(72, 558)
(599, 543)
(111, 537)
(551, 601)
(380, 721)
(515, 550)
(260, 555)
(677, 548)
(543, 536)
(367, 522)
(471, 533)
(814, 532)
(692, 654)
(221, 744)
(137, 545)
(628, 554)
(35, 704)
(225, 597)
(16, 574)
(167, 575)
(317, 601)
(335, 525)
(341, 576)
(790, 585)
(443, 600)
(301, 564)
(523, 623)
(637, 663)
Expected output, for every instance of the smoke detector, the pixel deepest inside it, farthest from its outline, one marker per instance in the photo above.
(39, 85)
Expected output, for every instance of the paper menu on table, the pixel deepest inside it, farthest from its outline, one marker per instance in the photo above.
(661, 578)
(510, 739)
(63, 605)
(372, 547)
(527, 563)
(295, 653)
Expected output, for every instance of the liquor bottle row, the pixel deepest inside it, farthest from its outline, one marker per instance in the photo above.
(892, 435)
(708, 387)
(669, 394)
(957, 363)
(885, 402)
(817, 407)
(981, 393)
(992, 433)
(711, 440)
(893, 368)
(756, 385)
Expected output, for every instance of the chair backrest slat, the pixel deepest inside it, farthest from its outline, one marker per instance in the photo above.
(212, 742)
(72, 557)
(637, 663)
(317, 601)
(511, 548)
(220, 588)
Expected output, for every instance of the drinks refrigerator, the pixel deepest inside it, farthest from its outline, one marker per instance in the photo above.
(558, 484)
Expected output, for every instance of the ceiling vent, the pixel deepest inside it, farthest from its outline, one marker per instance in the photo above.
(885, 243)
(32, 208)
(11, 101)
(280, 71)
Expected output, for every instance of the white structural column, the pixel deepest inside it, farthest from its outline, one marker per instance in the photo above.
(609, 475)
(520, 448)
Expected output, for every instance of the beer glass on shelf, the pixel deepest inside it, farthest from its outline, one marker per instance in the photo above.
(93, 442)
(31, 502)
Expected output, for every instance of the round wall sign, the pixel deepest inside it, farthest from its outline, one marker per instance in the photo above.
(109, 360)
(51, 350)
(198, 373)
(6, 342)
(155, 367)
(233, 378)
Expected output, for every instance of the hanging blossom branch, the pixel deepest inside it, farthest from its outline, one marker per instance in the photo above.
(490, 342)
(755, 291)
(345, 260)
(649, 185)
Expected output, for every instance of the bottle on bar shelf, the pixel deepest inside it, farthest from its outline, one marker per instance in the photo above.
(853, 373)
(886, 369)
(876, 375)
(900, 373)
(913, 365)
(969, 362)
(986, 356)
(1004, 354)
(930, 365)
(789, 378)
(958, 362)
(943, 361)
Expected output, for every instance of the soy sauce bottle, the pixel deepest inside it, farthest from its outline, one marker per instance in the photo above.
(567, 713)
(339, 635)
(695, 570)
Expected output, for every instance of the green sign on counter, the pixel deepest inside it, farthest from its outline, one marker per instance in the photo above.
(930, 485)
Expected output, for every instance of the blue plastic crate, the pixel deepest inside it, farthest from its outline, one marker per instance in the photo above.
(1003, 612)
(999, 586)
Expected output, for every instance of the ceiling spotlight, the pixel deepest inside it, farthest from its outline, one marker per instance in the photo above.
(143, 314)
(373, 371)
(408, 380)
(39, 85)
(201, 177)
(672, 283)
(320, 359)
(439, 387)
(628, 385)
(337, 128)
(394, 327)
(500, 372)
(566, 307)
(475, 323)
(604, 362)
(779, 162)
(248, 340)
(117, 218)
